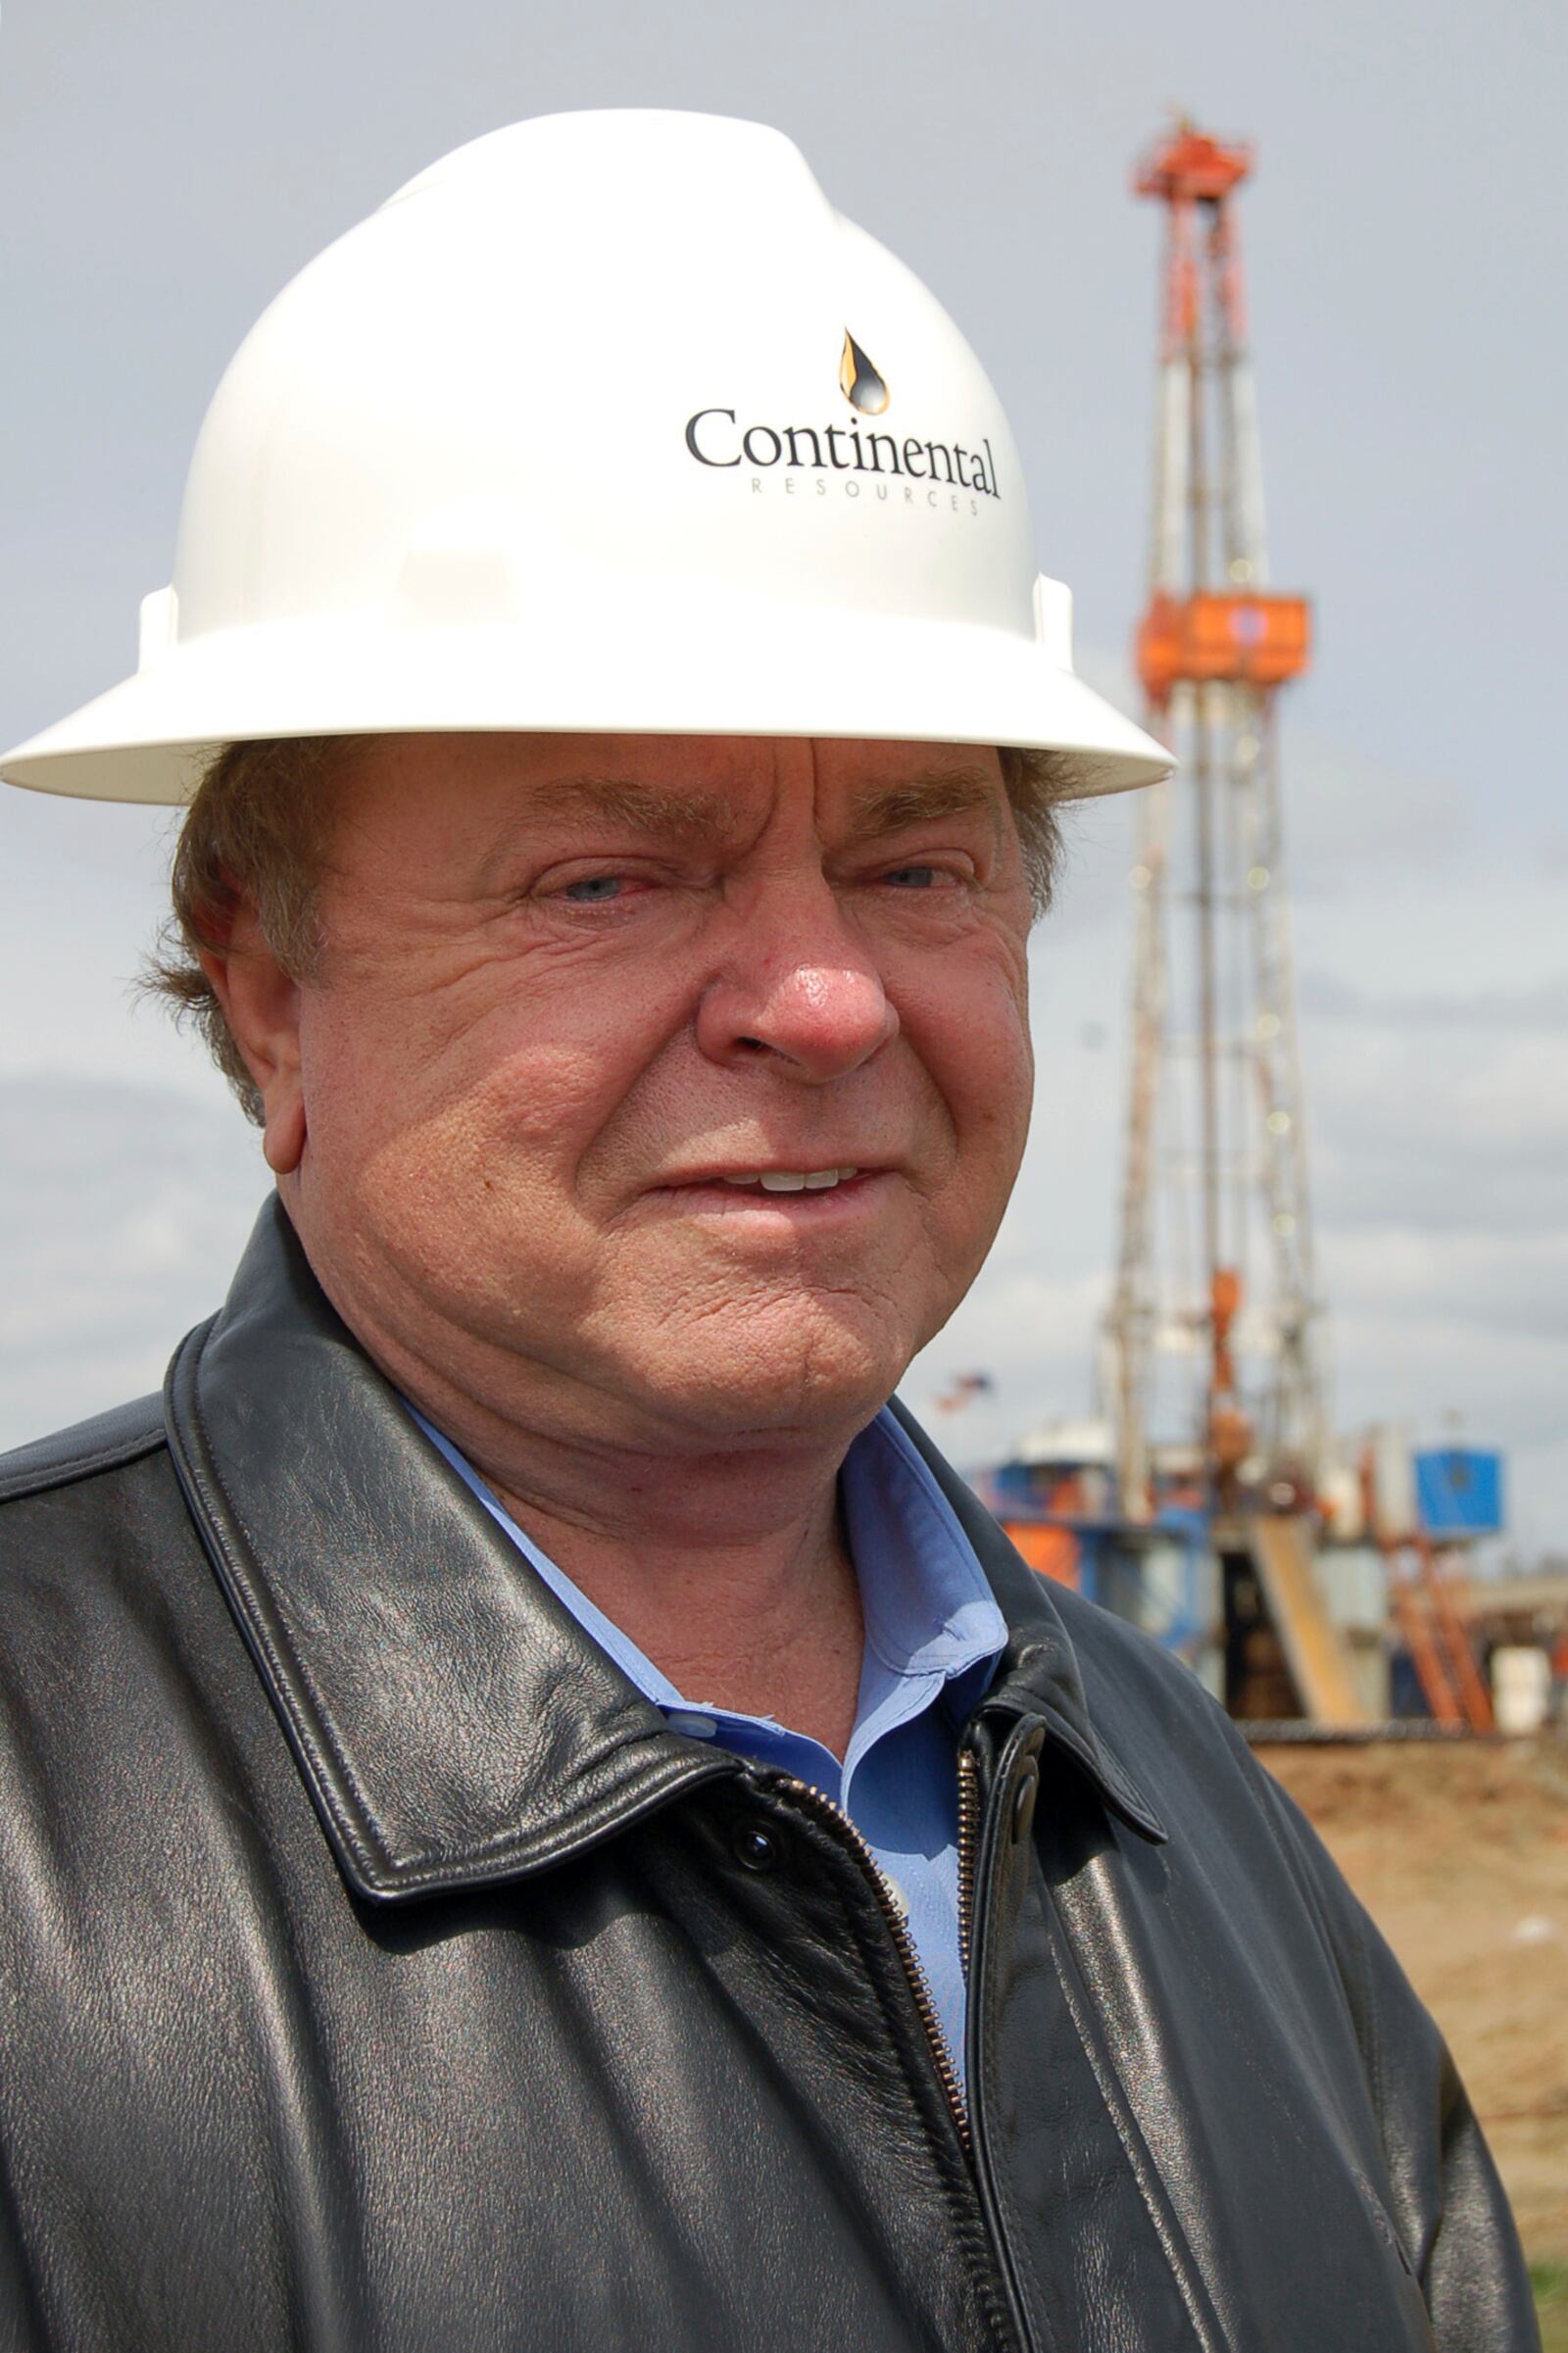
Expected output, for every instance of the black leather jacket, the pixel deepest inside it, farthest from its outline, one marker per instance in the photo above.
(378, 1973)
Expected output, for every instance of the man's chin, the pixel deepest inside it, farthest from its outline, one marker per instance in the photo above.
(824, 1388)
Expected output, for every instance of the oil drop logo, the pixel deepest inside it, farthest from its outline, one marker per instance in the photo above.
(859, 380)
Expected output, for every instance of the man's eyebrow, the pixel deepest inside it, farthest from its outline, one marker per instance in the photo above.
(706, 817)
(873, 810)
(647, 807)
(885, 808)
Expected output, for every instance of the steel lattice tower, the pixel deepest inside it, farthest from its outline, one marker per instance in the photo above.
(1211, 1341)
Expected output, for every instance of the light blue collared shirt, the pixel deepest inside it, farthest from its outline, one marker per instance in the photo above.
(933, 1636)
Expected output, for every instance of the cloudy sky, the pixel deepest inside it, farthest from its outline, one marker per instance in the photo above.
(163, 169)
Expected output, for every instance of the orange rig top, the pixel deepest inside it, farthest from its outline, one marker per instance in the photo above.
(1188, 166)
(1197, 631)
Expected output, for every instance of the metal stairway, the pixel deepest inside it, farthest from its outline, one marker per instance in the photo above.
(1315, 1651)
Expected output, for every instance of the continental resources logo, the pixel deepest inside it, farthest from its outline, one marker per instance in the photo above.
(715, 437)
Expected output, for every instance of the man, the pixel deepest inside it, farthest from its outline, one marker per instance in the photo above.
(539, 1813)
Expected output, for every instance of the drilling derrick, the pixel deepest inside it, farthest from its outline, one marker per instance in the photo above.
(1211, 1333)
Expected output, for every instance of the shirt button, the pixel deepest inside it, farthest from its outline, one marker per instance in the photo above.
(901, 1902)
(696, 1726)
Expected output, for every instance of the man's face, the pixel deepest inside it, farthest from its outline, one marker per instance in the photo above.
(580, 994)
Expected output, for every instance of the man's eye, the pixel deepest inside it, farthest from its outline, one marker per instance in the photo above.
(913, 878)
(591, 889)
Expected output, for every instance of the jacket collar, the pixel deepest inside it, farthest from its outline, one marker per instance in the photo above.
(452, 1721)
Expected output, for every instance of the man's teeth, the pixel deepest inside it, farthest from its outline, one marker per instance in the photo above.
(790, 1180)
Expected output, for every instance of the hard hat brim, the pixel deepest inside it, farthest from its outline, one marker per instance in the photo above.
(784, 672)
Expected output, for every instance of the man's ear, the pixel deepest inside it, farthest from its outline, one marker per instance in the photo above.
(261, 1004)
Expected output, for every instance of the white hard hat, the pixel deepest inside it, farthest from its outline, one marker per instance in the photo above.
(608, 423)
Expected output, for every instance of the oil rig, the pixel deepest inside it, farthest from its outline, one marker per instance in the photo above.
(1208, 1499)
(1212, 1325)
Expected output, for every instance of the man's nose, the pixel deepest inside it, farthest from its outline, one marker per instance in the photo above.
(796, 989)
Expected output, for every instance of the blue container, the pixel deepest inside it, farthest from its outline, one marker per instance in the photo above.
(1458, 1492)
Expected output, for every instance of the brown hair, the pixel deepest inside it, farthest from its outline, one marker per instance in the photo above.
(258, 829)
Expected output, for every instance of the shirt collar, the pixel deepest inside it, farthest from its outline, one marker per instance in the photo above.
(927, 1605)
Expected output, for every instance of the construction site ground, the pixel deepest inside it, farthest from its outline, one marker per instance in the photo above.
(1460, 1853)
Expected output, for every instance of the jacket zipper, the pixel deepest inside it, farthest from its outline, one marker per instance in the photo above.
(968, 1850)
(888, 1904)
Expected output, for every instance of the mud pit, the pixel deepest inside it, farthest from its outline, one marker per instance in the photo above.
(1462, 1856)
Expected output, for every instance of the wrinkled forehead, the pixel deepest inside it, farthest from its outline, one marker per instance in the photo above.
(692, 788)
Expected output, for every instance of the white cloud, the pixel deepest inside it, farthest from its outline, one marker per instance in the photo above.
(124, 1208)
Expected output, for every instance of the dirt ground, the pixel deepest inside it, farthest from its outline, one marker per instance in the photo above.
(1461, 1855)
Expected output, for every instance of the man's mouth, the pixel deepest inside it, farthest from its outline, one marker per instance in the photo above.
(789, 1180)
(782, 1190)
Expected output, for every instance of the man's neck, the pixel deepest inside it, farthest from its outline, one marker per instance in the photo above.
(727, 1566)
(765, 1625)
